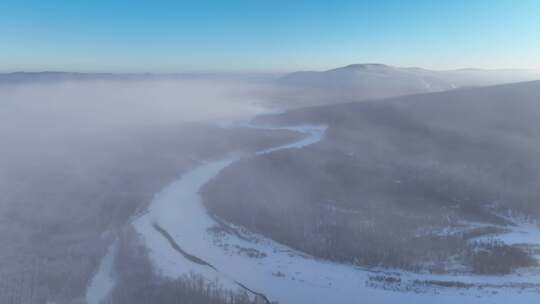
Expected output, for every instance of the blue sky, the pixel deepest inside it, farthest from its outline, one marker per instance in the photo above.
(167, 36)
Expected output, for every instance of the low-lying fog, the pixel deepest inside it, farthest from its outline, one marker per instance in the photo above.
(79, 158)
(120, 103)
(42, 118)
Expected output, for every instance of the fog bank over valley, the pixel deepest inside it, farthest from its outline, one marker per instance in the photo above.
(323, 181)
(80, 158)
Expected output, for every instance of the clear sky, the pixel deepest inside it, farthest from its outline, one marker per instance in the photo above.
(166, 36)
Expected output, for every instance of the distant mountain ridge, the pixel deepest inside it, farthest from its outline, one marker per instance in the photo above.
(52, 76)
(355, 82)
(375, 80)
(371, 80)
(60, 76)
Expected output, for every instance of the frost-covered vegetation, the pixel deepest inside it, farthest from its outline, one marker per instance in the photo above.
(138, 282)
(498, 258)
(390, 170)
(417, 183)
(61, 205)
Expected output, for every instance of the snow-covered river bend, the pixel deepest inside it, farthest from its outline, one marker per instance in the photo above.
(177, 230)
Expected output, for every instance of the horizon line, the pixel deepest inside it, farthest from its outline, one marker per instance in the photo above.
(252, 71)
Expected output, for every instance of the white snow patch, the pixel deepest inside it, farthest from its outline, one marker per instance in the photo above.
(315, 134)
(178, 209)
(103, 281)
(522, 233)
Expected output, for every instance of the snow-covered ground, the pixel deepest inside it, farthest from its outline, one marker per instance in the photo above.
(103, 281)
(314, 134)
(284, 275)
(179, 211)
(520, 233)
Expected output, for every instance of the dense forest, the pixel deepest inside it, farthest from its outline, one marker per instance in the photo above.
(391, 175)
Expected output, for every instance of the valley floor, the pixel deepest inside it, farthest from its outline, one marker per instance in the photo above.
(182, 238)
